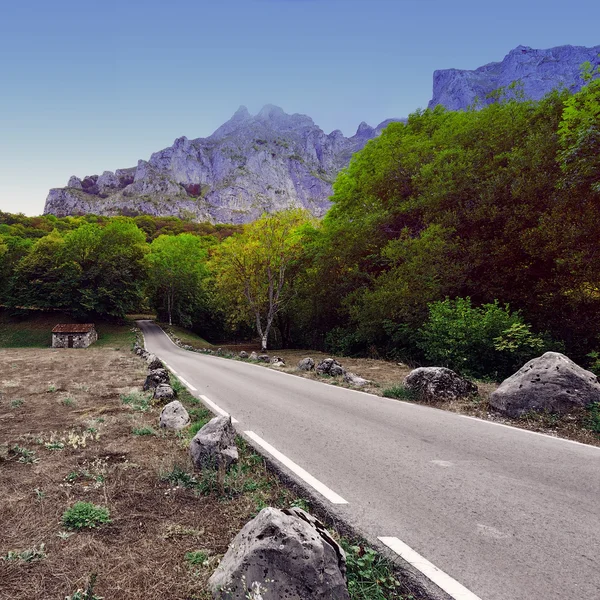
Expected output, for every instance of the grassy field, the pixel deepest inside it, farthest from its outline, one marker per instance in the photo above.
(33, 330)
(75, 427)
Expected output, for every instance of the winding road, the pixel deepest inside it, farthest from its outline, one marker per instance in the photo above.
(483, 510)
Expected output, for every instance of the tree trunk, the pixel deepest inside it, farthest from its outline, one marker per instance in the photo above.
(263, 342)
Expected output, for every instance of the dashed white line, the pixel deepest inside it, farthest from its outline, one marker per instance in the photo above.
(217, 409)
(298, 470)
(188, 385)
(442, 580)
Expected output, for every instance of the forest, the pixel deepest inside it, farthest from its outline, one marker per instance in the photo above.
(466, 238)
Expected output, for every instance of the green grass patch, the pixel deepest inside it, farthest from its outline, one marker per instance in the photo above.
(137, 401)
(143, 431)
(85, 515)
(186, 336)
(592, 418)
(196, 558)
(399, 392)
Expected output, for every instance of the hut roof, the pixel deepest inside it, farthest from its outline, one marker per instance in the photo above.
(73, 328)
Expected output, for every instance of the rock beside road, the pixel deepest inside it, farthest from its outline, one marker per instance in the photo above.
(439, 383)
(306, 364)
(214, 444)
(550, 383)
(264, 358)
(243, 354)
(355, 380)
(163, 392)
(330, 366)
(154, 362)
(174, 416)
(155, 378)
(282, 554)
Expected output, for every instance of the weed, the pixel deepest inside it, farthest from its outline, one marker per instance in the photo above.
(28, 555)
(399, 392)
(85, 514)
(56, 445)
(177, 386)
(51, 387)
(301, 503)
(196, 558)
(64, 535)
(137, 401)
(25, 456)
(88, 593)
(16, 403)
(592, 418)
(179, 477)
(39, 494)
(370, 576)
(143, 431)
(68, 402)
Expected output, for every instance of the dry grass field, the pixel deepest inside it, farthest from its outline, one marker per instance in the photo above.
(66, 435)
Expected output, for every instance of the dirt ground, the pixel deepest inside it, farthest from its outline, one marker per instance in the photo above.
(66, 436)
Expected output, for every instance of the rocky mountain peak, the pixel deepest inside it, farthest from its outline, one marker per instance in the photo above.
(537, 71)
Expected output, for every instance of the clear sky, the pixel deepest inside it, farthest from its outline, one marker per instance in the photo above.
(94, 85)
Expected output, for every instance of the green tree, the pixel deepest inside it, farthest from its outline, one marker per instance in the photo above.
(177, 271)
(252, 270)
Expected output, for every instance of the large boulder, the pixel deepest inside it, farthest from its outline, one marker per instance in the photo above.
(439, 383)
(330, 366)
(243, 354)
(550, 383)
(154, 362)
(174, 416)
(214, 444)
(162, 392)
(277, 361)
(155, 378)
(264, 358)
(282, 554)
(306, 364)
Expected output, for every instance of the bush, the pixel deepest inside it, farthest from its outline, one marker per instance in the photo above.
(400, 392)
(486, 341)
(85, 514)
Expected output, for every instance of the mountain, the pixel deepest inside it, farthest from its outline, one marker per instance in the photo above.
(251, 164)
(539, 71)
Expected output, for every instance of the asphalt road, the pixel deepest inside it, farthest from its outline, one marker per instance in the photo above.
(509, 514)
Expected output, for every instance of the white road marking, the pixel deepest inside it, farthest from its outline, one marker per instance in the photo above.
(188, 385)
(218, 409)
(298, 470)
(442, 580)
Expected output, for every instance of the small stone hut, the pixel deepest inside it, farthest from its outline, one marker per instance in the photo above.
(74, 335)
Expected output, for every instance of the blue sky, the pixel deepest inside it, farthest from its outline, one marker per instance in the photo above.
(89, 85)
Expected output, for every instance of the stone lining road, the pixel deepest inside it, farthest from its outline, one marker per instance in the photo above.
(509, 514)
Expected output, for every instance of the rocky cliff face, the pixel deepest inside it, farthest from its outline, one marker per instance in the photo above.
(251, 164)
(539, 71)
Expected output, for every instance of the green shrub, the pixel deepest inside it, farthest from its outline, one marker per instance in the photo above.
(85, 514)
(486, 341)
(143, 431)
(195, 558)
(592, 418)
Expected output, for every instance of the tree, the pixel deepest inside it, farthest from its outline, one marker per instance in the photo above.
(177, 269)
(252, 269)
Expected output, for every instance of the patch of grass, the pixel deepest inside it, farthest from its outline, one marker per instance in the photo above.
(399, 392)
(370, 575)
(137, 401)
(143, 431)
(115, 335)
(68, 402)
(196, 558)
(25, 455)
(29, 555)
(16, 403)
(51, 388)
(185, 336)
(55, 445)
(85, 515)
(88, 593)
(179, 477)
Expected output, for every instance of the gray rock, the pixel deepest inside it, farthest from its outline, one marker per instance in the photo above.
(243, 354)
(155, 378)
(282, 554)
(154, 362)
(75, 182)
(214, 444)
(550, 383)
(174, 416)
(353, 379)
(267, 162)
(277, 361)
(264, 358)
(539, 71)
(163, 391)
(439, 383)
(330, 366)
(253, 356)
(306, 364)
